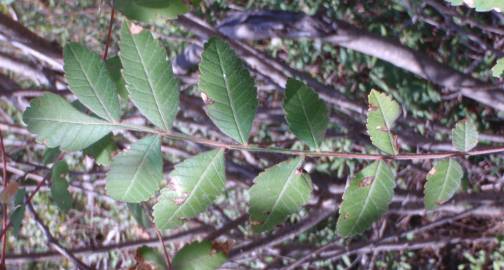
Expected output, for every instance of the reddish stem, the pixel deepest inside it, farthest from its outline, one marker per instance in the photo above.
(109, 35)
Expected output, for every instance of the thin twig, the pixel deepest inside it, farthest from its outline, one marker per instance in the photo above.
(109, 35)
(346, 155)
(5, 209)
(28, 200)
(53, 242)
(165, 251)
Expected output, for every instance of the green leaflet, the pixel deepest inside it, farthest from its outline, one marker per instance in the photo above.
(366, 198)
(306, 114)
(136, 173)
(90, 81)
(16, 218)
(150, 82)
(57, 123)
(464, 135)
(59, 186)
(382, 114)
(151, 10)
(102, 150)
(278, 192)
(150, 256)
(140, 215)
(442, 182)
(114, 67)
(481, 5)
(195, 183)
(198, 256)
(50, 155)
(230, 89)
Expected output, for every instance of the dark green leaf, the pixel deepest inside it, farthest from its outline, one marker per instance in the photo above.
(50, 155)
(229, 89)
(114, 67)
(149, 78)
(16, 218)
(102, 150)
(59, 186)
(306, 113)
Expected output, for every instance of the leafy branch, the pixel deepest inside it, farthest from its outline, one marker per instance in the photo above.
(230, 97)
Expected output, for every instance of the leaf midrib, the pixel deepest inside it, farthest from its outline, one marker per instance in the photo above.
(151, 87)
(315, 142)
(389, 133)
(445, 178)
(228, 95)
(280, 195)
(95, 92)
(367, 200)
(137, 169)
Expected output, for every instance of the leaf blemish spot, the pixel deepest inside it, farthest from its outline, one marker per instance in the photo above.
(135, 29)
(367, 181)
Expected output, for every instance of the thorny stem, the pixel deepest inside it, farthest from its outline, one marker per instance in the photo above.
(346, 155)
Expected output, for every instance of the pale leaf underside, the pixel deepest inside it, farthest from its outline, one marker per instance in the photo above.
(136, 173)
(195, 183)
(465, 136)
(57, 123)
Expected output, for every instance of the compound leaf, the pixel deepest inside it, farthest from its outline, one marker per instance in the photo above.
(366, 198)
(151, 10)
(382, 114)
(136, 173)
(278, 192)
(59, 186)
(89, 79)
(464, 135)
(195, 183)
(230, 89)
(149, 78)
(57, 123)
(442, 182)
(306, 114)
(199, 256)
